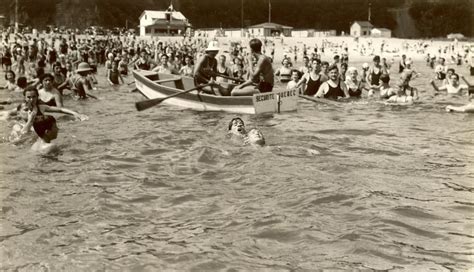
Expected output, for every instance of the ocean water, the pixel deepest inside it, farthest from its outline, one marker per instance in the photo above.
(358, 186)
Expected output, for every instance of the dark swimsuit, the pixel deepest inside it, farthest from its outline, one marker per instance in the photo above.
(144, 66)
(265, 87)
(334, 92)
(313, 86)
(204, 74)
(51, 103)
(356, 93)
(440, 75)
(375, 78)
(401, 67)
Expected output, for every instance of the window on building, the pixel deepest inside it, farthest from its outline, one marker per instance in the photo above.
(147, 30)
(364, 32)
(145, 17)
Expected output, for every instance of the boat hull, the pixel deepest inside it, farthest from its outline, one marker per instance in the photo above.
(153, 85)
(195, 100)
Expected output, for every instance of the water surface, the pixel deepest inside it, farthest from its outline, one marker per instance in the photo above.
(362, 186)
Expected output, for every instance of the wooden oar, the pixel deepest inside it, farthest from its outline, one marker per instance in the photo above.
(228, 77)
(161, 80)
(143, 105)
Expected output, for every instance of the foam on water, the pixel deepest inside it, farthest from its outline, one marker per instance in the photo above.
(361, 186)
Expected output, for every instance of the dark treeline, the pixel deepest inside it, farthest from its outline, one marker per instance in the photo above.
(433, 18)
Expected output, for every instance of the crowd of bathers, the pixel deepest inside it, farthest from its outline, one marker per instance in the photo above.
(45, 70)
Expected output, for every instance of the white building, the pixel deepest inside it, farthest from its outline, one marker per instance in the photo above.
(167, 22)
(381, 32)
(233, 32)
(269, 30)
(361, 28)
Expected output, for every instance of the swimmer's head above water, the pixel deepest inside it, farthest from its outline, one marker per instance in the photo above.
(237, 126)
(45, 127)
(255, 137)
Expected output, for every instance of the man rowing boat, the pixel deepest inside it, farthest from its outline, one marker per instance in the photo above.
(205, 70)
(262, 75)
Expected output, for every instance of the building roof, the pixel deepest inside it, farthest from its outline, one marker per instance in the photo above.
(165, 23)
(270, 25)
(155, 14)
(381, 29)
(363, 23)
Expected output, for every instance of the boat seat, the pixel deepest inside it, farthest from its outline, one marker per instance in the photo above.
(174, 82)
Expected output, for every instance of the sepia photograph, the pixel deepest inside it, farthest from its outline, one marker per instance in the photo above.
(236, 135)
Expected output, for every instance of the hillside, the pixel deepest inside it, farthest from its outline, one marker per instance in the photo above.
(407, 17)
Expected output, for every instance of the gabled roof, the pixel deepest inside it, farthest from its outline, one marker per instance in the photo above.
(363, 23)
(270, 25)
(155, 14)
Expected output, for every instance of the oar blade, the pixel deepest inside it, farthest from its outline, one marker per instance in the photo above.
(143, 105)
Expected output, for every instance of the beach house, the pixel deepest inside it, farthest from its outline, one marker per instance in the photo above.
(163, 23)
(361, 29)
(269, 30)
(381, 32)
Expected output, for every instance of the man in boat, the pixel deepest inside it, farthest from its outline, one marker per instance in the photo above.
(262, 78)
(205, 71)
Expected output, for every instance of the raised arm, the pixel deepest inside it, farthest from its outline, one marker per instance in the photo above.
(442, 88)
(301, 81)
(80, 117)
(322, 90)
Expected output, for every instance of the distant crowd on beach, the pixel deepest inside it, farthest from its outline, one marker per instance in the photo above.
(40, 71)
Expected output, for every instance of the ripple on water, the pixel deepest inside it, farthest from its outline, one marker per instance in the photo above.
(357, 186)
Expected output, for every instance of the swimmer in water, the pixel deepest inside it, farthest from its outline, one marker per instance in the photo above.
(237, 127)
(47, 131)
(386, 91)
(402, 98)
(454, 87)
(254, 138)
(468, 108)
(29, 110)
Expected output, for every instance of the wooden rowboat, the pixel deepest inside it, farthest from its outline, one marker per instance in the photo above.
(153, 85)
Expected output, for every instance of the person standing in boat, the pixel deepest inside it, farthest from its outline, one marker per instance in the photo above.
(262, 76)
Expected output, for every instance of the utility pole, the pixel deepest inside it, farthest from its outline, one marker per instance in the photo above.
(16, 16)
(242, 15)
(370, 4)
(269, 11)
